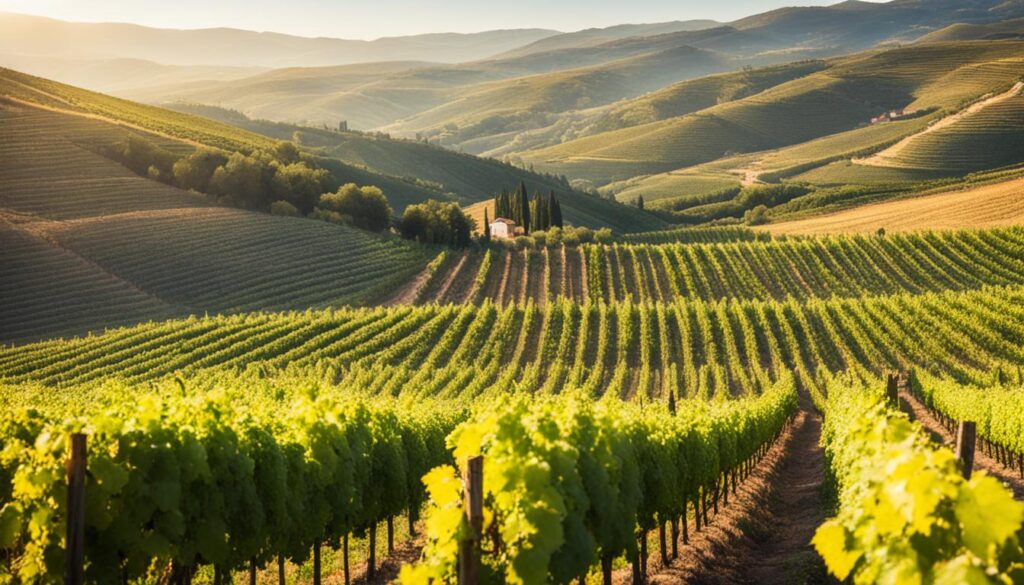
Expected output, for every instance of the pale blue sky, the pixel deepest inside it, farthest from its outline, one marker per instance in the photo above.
(368, 19)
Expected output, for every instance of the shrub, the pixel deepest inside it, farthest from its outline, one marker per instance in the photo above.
(756, 216)
(283, 208)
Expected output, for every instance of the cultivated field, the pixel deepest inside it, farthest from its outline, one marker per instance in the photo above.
(1000, 204)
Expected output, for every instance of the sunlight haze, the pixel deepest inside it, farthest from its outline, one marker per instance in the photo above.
(359, 20)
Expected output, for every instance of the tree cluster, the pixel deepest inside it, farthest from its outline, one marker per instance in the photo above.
(537, 213)
(363, 207)
(250, 181)
(437, 222)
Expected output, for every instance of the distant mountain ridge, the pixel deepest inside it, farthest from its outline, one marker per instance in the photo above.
(47, 37)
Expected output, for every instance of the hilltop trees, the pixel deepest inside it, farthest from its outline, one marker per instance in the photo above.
(363, 207)
(436, 222)
(537, 213)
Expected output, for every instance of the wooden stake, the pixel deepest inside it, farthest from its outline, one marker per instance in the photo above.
(391, 534)
(606, 569)
(344, 559)
(469, 553)
(371, 562)
(662, 542)
(316, 564)
(75, 569)
(252, 571)
(965, 438)
(280, 569)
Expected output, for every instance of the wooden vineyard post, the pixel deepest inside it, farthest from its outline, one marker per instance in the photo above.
(280, 569)
(252, 571)
(344, 560)
(371, 561)
(606, 569)
(75, 570)
(316, 564)
(671, 401)
(469, 549)
(391, 535)
(965, 438)
(892, 390)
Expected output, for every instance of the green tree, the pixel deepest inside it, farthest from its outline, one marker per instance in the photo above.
(196, 170)
(299, 185)
(486, 235)
(283, 208)
(555, 212)
(240, 181)
(367, 207)
(521, 208)
(287, 153)
(437, 222)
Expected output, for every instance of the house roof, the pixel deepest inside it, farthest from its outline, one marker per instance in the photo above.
(503, 220)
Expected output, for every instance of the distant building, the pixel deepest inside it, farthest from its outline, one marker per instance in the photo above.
(343, 126)
(503, 228)
(893, 115)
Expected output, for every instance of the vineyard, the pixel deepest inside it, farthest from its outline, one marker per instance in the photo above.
(750, 267)
(194, 394)
(689, 348)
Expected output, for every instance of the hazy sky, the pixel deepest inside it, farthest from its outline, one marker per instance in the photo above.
(368, 19)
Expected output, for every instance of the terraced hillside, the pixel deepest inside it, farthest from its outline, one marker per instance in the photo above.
(983, 136)
(88, 244)
(838, 99)
(786, 268)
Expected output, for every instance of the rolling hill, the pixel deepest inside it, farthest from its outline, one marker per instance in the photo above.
(396, 99)
(92, 245)
(46, 37)
(593, 37)
(408, 172)
(838, 99)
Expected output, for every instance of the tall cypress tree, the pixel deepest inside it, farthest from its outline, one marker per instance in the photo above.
(554, 212)
(486, 237)
(522, 208)
(501, 207)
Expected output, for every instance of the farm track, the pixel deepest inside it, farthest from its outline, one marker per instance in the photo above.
(763, 536)
(1008, 477)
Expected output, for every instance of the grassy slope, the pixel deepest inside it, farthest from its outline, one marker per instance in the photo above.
(88, 244)
(999, 204)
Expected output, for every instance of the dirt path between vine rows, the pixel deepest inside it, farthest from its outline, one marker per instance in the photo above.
(763, 536)
(1008, 477)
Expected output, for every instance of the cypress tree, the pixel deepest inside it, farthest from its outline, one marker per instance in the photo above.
(522, 207)
(486, 237)
(555, 212)
(640, 202)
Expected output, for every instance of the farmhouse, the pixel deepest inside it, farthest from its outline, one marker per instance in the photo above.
(503, 228)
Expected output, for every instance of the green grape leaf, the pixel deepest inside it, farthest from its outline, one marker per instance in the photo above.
(988, 514)
(830, 541)
(960, 571)
(109, 475)
(10, 525)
